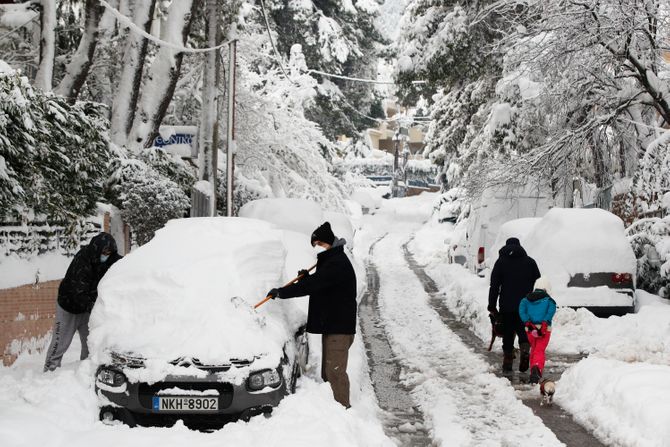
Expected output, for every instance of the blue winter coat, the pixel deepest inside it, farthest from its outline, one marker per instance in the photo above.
(537, 307)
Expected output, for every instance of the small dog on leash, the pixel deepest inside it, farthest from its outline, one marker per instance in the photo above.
(547, 389)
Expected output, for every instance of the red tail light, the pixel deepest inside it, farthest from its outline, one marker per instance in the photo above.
(480, 255)
(619, 278)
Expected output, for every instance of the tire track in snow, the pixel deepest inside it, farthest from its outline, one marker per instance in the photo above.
(402, 421)
(463, 404)
(565, 428)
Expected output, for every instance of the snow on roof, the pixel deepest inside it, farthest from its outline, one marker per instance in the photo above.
(567, 241)
(172, 296)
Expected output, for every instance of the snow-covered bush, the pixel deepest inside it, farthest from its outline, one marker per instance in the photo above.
(147, 199)
(53, 155)
(650, 239)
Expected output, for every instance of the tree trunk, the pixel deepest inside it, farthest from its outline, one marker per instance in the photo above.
(127, 94)
(162, 77)
(44, 76)
(77, 70)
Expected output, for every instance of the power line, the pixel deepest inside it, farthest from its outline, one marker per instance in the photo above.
(348, 78)
(19, 27)
(272, 42)
(136, 29)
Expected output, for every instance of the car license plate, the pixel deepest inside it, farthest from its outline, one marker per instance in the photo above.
(184, 404)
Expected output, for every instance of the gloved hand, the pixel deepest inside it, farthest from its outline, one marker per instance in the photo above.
(492, 310)
(529, 326)
(544, 327)
(274, 293)
(303, 273)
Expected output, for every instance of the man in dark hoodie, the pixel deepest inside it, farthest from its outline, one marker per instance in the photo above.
(332, 307)
(512, 278)
(77, 294)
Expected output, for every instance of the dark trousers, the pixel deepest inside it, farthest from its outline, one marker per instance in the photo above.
(335, 353)
(512, 326)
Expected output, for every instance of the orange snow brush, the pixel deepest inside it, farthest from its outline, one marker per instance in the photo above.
(293, 281)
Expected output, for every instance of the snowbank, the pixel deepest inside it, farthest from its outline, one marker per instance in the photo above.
(172, 296)
(624, 404)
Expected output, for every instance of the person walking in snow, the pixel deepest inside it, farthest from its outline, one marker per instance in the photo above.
(332, 307)
(512, 278)
(77, 294)
(536, 311)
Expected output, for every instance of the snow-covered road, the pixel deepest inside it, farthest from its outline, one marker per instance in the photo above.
(462, 402)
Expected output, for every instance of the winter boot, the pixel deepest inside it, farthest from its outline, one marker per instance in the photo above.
(525, 356)
(535, 375)
(508, 359)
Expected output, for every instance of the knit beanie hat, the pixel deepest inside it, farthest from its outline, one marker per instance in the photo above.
(512, 241)
(543, 283)
(323, 234)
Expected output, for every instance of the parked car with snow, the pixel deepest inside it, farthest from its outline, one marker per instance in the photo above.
(587, 258)
(174, 334)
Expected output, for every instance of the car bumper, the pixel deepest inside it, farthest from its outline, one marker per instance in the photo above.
(132, 403)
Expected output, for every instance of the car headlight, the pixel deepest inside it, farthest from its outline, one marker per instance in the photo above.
(261, 379)
(110, 377)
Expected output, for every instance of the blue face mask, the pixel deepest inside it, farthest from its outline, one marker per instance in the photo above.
(103, 258)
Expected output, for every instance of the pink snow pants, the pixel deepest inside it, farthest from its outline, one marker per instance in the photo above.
(537, 347)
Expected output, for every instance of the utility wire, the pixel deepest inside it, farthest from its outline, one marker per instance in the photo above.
(347, 78)
(19, 27)
(136, 29)
(272, 42)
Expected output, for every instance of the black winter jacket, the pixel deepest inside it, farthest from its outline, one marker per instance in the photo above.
(513, 277)
(332, 294)
(79, 289)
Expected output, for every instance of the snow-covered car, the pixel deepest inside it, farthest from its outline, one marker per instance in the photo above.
(587, 258)
(174, 333)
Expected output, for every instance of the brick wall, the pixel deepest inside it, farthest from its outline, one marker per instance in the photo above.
(26, 313)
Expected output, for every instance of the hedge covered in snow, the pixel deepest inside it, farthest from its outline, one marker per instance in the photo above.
(53, 155)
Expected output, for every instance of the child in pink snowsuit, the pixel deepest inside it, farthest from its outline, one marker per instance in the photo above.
(536, 311)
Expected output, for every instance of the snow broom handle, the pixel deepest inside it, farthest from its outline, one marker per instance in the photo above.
(293, 281)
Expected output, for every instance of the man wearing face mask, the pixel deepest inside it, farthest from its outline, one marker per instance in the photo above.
(77, 294)
(332, 307)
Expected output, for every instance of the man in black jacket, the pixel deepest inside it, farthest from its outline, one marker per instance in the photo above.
(77, 294)
(332, 307)
(512, 278)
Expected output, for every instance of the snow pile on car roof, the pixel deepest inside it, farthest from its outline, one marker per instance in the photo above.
(568, 241)
(171, 298)
(300, 215)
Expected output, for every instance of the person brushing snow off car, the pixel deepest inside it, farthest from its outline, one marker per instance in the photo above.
(77, 294)
(512, 278)
(332, 306)
(536, 311)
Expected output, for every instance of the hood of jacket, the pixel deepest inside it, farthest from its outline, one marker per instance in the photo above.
(99, 243)
(537, 295)
(512, 251)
